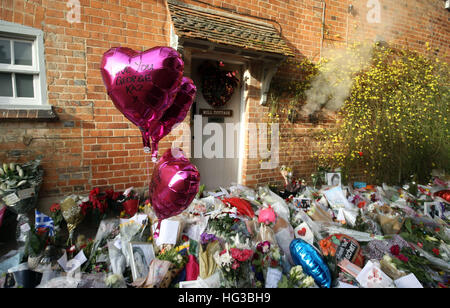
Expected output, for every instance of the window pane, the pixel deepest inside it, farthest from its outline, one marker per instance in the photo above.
(22, 53)
(6, 84)
(5, 51)
(24, 85)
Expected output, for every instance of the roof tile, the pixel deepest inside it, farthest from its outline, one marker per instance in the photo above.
(221, 28)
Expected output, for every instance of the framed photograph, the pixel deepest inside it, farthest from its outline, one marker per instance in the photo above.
(334, 179)
(303, 203)
(432, 209)
(142, 255)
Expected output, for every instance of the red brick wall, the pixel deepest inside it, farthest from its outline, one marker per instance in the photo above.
(94, 145)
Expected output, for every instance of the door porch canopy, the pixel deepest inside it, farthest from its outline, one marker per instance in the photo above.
(217, 31)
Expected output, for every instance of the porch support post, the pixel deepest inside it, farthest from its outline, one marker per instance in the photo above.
(269, 70)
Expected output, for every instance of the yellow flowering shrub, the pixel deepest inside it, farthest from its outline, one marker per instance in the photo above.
(395, 123)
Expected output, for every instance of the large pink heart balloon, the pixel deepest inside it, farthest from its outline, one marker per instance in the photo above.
(142, 85)
(174, 115)
(175, 182)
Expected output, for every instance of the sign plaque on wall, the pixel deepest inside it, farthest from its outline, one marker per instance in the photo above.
(216, 113)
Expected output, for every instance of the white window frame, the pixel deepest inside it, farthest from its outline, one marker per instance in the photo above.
(16, 32)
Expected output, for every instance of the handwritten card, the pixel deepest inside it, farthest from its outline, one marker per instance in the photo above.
(25, 228)
(304, 232)
(371, 276)
(336, 198)
(11, 199)
(168, 233)
(72, 265)
(26, 193)
(408, 282)
(273, 277)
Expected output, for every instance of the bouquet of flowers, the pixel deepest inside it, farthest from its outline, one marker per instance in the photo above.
(319, 177)
(224, 223)
(177, 263)
(234, 265)
(209, 245)
(130, 204)
(410, 261)
(297, 279)
(266, 255)
(292, 186)
(99, 203)
(56, 214)
(20, 184)
(428, 238)
(328, 248)
(95, 250)
(173, 256)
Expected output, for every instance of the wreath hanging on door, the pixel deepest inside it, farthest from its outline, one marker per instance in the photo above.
(218, 85)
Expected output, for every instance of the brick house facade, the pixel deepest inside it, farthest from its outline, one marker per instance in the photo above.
(86, 141)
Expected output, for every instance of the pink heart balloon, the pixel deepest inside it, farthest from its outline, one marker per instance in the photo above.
(142, 85)
(174, 115)
(267, 216)
(175, 182)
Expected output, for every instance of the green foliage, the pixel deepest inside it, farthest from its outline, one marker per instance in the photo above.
(223, 226)
(173, 256)
(427, 236)
(416, 265)
(291, 90)
(36, 242)
(395, 122)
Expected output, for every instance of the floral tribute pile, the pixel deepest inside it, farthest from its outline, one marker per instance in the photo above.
(365, 236)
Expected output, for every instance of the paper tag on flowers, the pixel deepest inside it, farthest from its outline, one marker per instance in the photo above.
(408, 282)
(72, 265)
(26, 193)
(11, 199)
(274, 276)
(25, 228)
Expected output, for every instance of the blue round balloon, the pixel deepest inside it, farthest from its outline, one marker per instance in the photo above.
(311, 261)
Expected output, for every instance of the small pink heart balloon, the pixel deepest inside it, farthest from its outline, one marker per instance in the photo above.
(174, 115)
(175, 182)
(267, 216)
(142, 85)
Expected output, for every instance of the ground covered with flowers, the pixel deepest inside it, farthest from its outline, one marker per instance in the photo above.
(363, 236)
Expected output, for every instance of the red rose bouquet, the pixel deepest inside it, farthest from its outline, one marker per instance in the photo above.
(234, 265)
